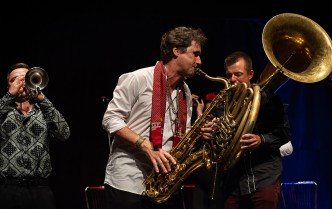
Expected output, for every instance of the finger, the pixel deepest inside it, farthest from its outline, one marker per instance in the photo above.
(155, 165)
(170, 158)
(26, 90)
(167, 165)
(162, 166)
(207, 136)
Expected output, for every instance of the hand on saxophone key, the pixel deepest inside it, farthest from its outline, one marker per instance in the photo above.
(163, 160)
(160, 158)
(207, 129)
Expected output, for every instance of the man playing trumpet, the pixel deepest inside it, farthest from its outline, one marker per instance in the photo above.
(28, 121)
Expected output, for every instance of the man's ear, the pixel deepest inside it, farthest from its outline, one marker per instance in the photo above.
(176, 51)
(251, 74)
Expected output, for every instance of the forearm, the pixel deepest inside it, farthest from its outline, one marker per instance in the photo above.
(276, 139)
(128, 135)
(59, 127)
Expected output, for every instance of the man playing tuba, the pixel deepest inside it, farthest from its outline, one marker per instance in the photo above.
(254, 181)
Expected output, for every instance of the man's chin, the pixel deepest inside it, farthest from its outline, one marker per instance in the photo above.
(190, 75)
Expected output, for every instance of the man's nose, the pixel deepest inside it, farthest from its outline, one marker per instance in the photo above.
(198, 60)
(233, 79)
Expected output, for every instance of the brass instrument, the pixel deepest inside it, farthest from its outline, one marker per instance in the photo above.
(191, 153)
(36, 79)
(297, 48)
(188, 153)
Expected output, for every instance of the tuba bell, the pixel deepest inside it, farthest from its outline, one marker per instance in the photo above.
(297, 48)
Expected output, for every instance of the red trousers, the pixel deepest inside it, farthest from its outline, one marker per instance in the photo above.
(263, 198)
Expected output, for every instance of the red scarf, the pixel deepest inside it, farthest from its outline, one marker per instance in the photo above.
(159, 108)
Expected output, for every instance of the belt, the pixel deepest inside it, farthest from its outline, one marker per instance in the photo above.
(24, 181)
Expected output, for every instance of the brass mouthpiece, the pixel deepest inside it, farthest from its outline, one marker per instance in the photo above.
(200, 72)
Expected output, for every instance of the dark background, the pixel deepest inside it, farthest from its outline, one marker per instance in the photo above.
(84, 47)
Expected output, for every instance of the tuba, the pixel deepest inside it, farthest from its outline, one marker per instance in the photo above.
(298, 49)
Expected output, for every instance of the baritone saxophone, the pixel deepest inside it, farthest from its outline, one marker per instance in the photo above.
(192, 152)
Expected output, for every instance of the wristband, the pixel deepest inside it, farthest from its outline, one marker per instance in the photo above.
(139, 142)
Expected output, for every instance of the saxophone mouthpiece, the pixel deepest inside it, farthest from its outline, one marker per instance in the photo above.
(200, 72)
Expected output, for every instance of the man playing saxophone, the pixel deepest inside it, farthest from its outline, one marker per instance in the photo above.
(150, 111)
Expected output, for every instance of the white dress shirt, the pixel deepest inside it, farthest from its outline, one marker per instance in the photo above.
(131, 106)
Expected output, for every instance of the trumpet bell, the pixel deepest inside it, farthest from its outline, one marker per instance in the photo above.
(297, 47)
(36, 79)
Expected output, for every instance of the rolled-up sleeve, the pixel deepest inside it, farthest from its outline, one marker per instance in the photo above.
(119, 108)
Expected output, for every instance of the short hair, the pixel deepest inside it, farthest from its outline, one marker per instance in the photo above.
(179, 37)
(235, 56)
(16, 66)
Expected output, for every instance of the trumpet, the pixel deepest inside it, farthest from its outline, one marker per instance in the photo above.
(36, 80)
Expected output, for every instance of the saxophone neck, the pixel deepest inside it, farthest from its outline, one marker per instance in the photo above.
(200, 72)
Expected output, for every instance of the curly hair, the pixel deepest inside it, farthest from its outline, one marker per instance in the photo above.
(181, 38)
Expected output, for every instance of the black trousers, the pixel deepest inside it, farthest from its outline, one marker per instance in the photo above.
(26, 197)
(207, 193)
(126, 200)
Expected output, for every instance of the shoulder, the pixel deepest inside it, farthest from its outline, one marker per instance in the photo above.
(139, 74)
(269, 94)
(143, 72)
(270, 97)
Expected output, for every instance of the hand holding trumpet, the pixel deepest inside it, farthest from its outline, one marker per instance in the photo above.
(27, 86)
(16, 85)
